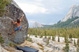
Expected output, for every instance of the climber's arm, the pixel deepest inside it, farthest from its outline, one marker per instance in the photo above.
(14, 22)
(21, 17)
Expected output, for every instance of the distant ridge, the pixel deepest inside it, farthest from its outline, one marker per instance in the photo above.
(70, 20)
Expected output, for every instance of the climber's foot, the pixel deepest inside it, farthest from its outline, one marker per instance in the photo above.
(9, 33)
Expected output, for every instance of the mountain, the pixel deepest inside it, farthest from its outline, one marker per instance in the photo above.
(71, 19)
(36, 25)
(73, 12)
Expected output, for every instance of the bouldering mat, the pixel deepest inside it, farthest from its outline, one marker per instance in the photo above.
(26, 49)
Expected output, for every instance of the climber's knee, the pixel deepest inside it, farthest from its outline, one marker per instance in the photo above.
(20, 27)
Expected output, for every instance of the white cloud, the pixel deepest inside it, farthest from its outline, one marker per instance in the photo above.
(40, 6)
(38, 0)
(44, 6)
(32, 9)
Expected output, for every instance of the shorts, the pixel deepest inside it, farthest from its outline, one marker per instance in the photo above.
(18, 28)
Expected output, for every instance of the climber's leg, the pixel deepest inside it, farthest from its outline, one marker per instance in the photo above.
(20, 28)
(13, 31)
(16, 29)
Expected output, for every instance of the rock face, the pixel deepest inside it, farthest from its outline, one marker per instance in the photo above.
(8, 49)
(13, 12)
(2, 49)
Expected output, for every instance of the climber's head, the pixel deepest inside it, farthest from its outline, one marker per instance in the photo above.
(18, 21)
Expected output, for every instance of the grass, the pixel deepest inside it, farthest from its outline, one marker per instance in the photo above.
(1, 39)
(28, 39)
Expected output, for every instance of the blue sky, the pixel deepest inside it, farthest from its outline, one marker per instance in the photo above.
(45, 11)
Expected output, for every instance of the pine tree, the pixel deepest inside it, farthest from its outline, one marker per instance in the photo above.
(66, 39)
(74, 43)
(1, 39)
(66, 49)
(58, 39)
(78, 42)
(78, 45)
(70, 36)
(53, 38)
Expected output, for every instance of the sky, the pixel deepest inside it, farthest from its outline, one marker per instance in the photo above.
(45, 12)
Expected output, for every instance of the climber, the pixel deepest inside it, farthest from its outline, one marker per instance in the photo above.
(18, 25)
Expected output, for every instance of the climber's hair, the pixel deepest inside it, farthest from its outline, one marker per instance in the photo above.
(18, 20)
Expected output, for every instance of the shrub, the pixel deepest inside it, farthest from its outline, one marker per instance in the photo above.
(66, 48)
(12, 44)
(28, 39)
(1, 39)
(3, 4)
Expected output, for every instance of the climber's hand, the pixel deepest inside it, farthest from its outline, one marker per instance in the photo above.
(12, 21)
(23, 15)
